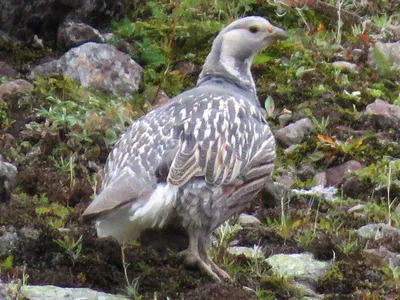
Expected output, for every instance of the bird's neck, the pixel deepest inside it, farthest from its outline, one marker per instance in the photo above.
(220, 63)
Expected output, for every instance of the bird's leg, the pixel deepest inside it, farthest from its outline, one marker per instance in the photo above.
(204, 255)
(192, 257)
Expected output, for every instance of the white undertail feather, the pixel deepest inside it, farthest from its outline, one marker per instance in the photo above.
(127, 222)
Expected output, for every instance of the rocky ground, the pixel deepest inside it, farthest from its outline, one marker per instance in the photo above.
(73, 76)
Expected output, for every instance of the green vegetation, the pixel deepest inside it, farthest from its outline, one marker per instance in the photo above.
(59, 135)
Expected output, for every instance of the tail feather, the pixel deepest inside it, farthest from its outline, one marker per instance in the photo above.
(122, 190)
(127, 222)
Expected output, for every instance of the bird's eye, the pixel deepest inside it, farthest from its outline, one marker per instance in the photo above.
(254, 29)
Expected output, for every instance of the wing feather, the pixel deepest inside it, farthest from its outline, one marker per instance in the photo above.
(218, 147)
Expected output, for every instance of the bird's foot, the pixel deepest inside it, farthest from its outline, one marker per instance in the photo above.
(220, 272)
(193, 260)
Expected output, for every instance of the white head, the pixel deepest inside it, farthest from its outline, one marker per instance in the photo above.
(236, 45)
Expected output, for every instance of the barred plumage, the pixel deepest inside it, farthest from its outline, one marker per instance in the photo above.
(198, 159)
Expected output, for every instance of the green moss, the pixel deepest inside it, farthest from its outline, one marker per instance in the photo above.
(21, 53)
(279, 287)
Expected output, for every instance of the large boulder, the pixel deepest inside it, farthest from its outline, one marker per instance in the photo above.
(73, 34)
(98, 66)
(25, 18)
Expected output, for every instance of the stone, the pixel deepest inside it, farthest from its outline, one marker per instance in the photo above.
(393, 259)
(378, 231)
(389, 50)
(15, 86)
(249, 252)
(336, 175)
(186, 68)
(306, 171)
(98, 66)
(345, 66)
(384, 114)
(301, 267)
(51, 292)
(8, 240)
(273, 193)
(72, 34)
(25, 18)
(245, 219)
(7, 71)
(356, 208)
(8, 174)
(285, 180)
(295, 133)
(353, 187)
(284, 118)
(397, 210)
(11, 238)
(320, 179)
(155, 96)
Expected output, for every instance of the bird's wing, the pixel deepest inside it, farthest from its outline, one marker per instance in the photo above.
(218, 140)
(128, 171)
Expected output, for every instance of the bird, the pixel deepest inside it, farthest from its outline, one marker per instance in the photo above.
(200, 158)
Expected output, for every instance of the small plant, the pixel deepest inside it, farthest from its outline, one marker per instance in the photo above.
(257, 262)
(322, 125)
(392, 274)
(132, 287)
(72, 248)
(350, 245)
(333, 147)
(7, 263)
(67, 167)
(270, 107)
(305, 238)
(55, 214)
(225, 233)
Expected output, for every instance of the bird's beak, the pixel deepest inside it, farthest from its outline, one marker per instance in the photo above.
(277, 33)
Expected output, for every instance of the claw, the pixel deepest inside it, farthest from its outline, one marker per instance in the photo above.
(192, 259)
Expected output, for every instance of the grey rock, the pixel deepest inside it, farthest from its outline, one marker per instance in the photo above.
(291, 149)
(72, 34)
(8, 240)
(306, 171)
(384, 114)
(295, 133)
(51, 292)
(285, 180)
(353, 187)
(284, 119)
(245, 219)
(98, 66)
(6, 70)
(393, 259)
(356, 54)
(249, 252)
(397, 210)
(345, 66)
(186, 68)
(378, 231)
(389, 50)
(302, 267)
(274, 192)
(336, 175)
(8, 173)
(320, 179)
(11, 238)
(356, 208)
(25, 18)
(155, 96)
(15, 86)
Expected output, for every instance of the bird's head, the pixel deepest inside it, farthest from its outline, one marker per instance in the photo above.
(236, 45)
